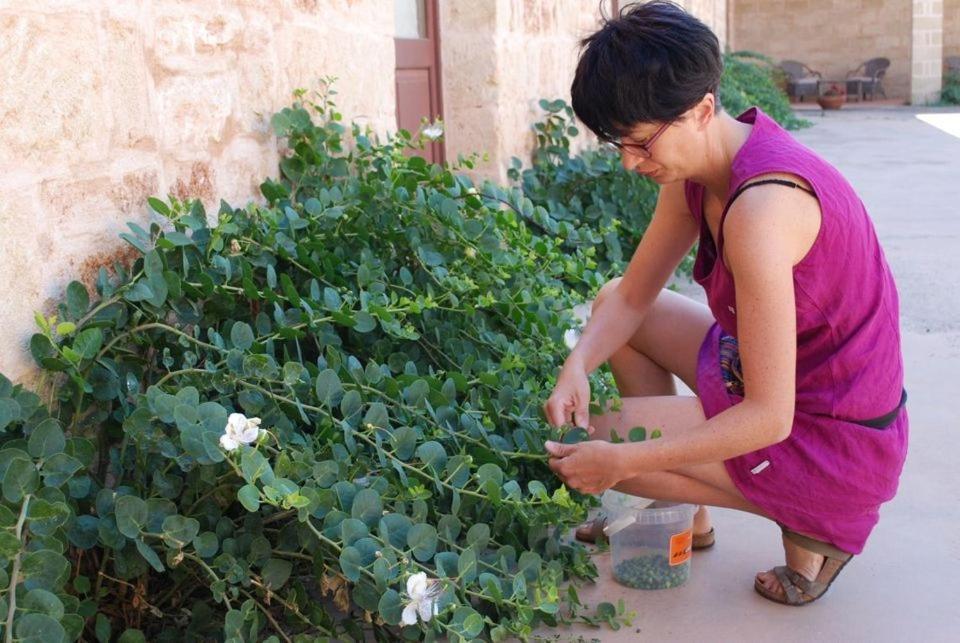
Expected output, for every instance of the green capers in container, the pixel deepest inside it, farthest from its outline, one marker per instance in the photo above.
(651, 571)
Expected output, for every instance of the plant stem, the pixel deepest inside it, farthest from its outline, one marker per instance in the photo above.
(15, 573)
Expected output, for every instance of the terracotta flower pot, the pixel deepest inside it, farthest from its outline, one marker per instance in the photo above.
(832, 102)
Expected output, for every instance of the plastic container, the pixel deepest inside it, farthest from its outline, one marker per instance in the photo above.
(650, 542)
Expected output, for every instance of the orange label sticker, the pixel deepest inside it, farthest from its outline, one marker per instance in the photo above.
(681, 547)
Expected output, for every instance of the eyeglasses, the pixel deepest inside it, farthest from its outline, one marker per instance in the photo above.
(640, 149)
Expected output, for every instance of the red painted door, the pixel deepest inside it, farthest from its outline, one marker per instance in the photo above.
(418, 69)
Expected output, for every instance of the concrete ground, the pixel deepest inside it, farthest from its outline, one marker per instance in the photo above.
(905, 586)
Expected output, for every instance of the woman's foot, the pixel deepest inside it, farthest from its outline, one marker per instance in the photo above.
(805, 562)
(701, 521)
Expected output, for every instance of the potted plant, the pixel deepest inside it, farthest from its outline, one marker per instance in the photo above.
(833, 97)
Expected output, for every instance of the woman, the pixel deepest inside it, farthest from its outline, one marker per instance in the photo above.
(796, 363)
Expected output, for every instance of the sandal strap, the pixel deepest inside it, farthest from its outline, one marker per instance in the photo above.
(793, 594)
(811, 588)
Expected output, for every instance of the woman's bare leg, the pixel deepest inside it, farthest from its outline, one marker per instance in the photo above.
(668, 344)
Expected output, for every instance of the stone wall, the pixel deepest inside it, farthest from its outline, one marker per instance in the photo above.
(832, 37)
(499, 59)
(951, 27)
(105, 103)
(927, 51)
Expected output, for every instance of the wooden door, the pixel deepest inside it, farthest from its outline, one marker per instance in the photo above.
(418, 68)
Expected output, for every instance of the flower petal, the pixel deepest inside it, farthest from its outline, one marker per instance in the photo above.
(409, 616)
(249, 434)
(417, 585)
(236, 422)
(228, 442)
(426, 609)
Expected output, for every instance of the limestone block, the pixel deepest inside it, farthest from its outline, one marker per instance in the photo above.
(20, 279)
(52, 79)
(363, 64)
(242, 167)
(127, 86)
(193, 110)
(189, 39)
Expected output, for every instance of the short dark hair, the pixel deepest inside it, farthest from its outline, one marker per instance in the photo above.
(651, 64)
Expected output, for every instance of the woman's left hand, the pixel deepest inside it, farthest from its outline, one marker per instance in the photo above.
(589, 467)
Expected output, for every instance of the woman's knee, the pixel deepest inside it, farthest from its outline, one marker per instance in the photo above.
(604, 291)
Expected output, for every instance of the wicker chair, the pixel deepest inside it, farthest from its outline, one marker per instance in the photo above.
(801, 80)
(867, 78)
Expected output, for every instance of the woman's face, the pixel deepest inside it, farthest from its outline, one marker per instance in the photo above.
(670, 152)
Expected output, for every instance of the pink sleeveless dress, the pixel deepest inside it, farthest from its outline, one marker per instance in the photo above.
(830, 476)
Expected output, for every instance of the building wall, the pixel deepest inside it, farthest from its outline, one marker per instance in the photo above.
(927, 52)
(499, 59)
(951, 27)
(105, 103)
(831, 37)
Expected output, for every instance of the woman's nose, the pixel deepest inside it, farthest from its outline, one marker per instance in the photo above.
(630, 161)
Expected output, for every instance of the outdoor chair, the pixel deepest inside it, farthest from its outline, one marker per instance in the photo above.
(801, 80)
(866, 78)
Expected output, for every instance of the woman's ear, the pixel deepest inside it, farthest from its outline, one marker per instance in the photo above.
(705, 110)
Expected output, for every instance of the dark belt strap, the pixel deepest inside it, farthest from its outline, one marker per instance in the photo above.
(884, 421)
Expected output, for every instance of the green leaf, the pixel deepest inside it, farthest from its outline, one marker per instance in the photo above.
(422, 538)
(404, 441)
(254, 466)
(276, 572)
(206, 544)
(331, 299)
(364, 322)
(20, 479)
(46, 569)
(241, 335)
(78, 301)
(391, 607)
(367, 506)
(131, 515)
(467, 565)
(9, 545)
(42, 602)
(88, 343)
(328, 388)
(377, 415)
(637, 434)
(158, 206)
(47, 439)
(149, 555)
(131, 635)
(179, 530)
(58, 468)
(9, 412)
(249, 497)
(433, 455)
(38, 628)
(350, 560)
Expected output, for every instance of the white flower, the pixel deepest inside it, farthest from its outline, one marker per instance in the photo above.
(422, 594)
(433, 131)
(240, 430)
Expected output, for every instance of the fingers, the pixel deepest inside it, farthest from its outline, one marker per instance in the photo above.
(554, 412)
(557, 450)
(581, 417)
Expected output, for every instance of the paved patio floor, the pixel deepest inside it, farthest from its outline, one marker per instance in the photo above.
(906, 584)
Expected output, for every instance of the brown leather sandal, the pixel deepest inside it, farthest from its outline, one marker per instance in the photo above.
(590, 532)
(797, 589)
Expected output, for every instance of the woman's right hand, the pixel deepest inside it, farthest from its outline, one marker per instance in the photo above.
(569, 403)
